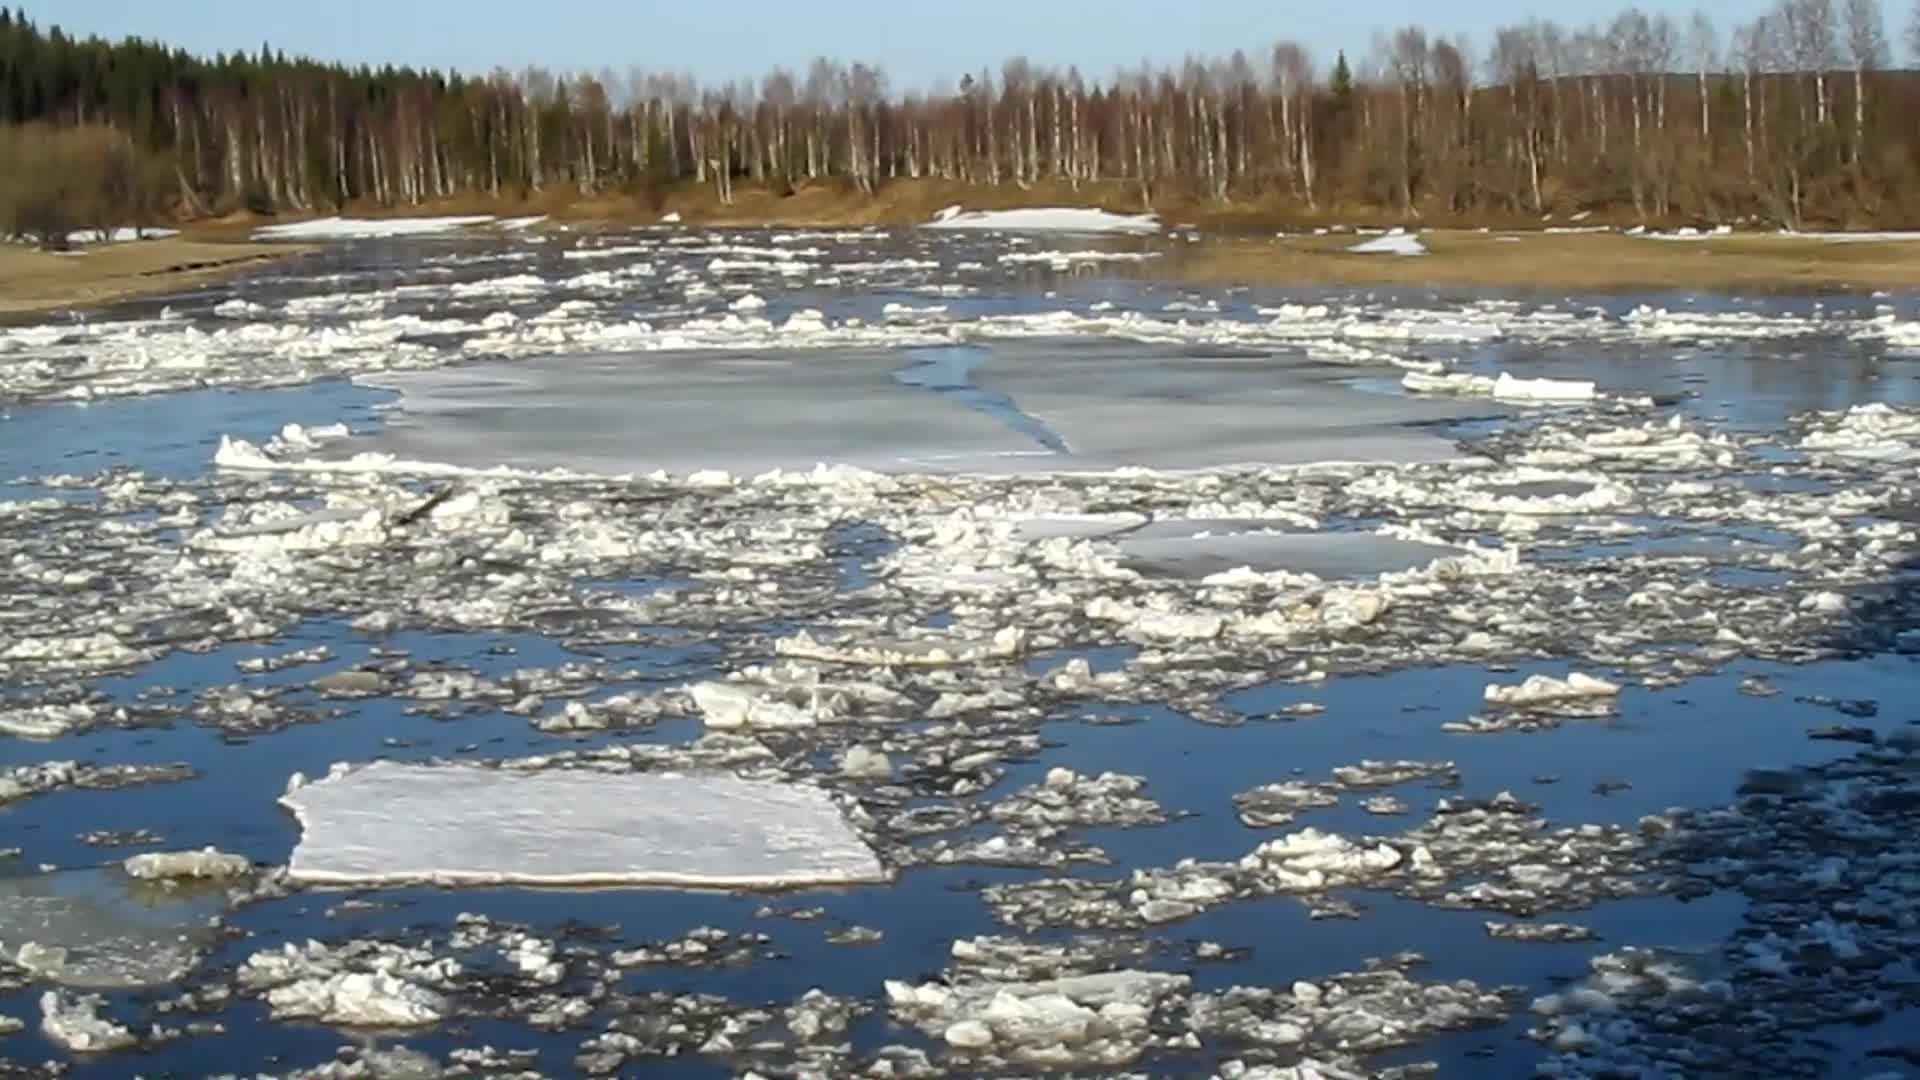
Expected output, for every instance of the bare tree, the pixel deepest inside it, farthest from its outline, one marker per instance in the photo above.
(1704, 44)
(1867, 50)
(1814, 45)
(1515, 63)
(1293, 85)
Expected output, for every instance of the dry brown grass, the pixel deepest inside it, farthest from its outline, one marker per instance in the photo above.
(1570, 261)
(33, 280)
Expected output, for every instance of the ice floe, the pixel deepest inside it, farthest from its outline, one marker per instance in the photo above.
(390, 823)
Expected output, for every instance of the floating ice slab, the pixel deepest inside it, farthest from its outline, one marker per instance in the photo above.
(1508, 388)
(1330, 556)
(389, 823)
(1394, 243)
(1046, 219)
(1108, 404)
(341, 228)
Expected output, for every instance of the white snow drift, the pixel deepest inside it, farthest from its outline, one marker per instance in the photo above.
(1396, 242)
(343, 228)
(1046, 219)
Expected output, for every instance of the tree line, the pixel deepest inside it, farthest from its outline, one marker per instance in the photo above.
(1794, 117)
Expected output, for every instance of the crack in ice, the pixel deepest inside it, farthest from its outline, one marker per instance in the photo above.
(947, 370)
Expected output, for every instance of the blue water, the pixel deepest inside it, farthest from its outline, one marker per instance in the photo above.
(167, 435)
(1686, 746)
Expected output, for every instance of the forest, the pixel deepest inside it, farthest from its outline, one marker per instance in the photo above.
(1796, 118)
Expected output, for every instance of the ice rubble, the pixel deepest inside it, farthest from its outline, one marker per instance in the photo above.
(1276, 804)
(1825, 929)
(363, 984)
(1873, 432)
(1045, 219)
(1349, 1016)
(1100, 1020)
(1489, 855)
(387, 823)
(1545, 690)
(23, 781)
(345, 228)
(73, 1021)
(50, 721)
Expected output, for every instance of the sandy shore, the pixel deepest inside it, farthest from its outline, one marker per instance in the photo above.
(32, 281)
(1560, 261)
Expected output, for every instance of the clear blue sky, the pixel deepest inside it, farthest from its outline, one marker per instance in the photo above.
(918, 41)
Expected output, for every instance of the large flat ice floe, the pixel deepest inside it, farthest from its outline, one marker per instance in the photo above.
(1022, 407)
(342, 228)
(389, 823)
(1046, 219)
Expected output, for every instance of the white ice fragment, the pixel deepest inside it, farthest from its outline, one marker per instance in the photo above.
(1824, 603)
(1508, 388)
(969, 1035)
(390, 823)
(731, 706)
(1458, 383)
(1545, 689)
(864, 763)
(205, 863)
(73, 1021)
(47, 721)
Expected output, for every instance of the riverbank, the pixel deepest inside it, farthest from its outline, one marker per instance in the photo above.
(1592, 261)
(39, 281)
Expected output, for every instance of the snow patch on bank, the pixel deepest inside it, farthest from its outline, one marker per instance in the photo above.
(343, 228)
(1397, 242)
(121, 235)
(1046, 219)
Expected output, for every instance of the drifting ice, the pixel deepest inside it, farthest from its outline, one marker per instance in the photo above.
(464, 825)
(1544, 689)
(1508, 388)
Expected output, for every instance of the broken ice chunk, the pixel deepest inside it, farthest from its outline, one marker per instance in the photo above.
(74, 1022)
(205, 863)
(1547, 690)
